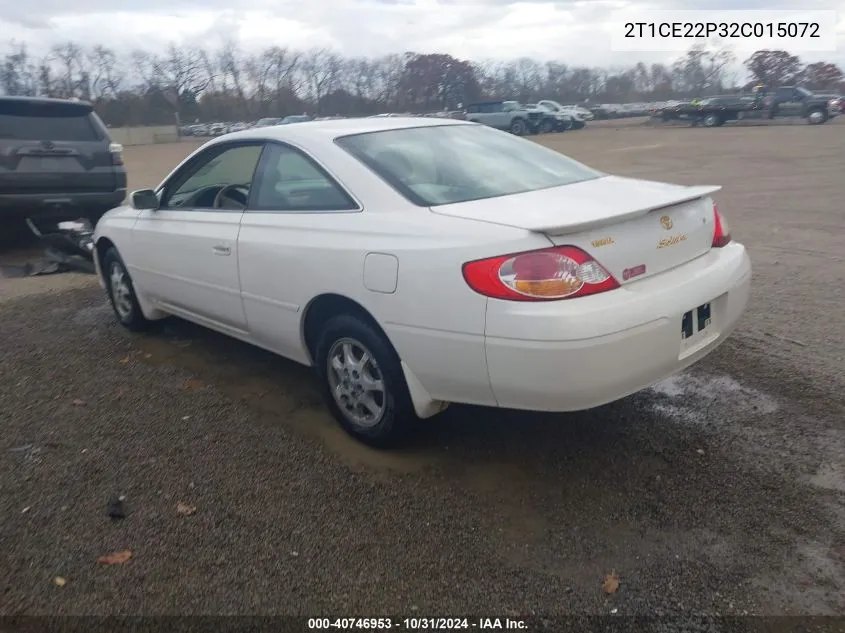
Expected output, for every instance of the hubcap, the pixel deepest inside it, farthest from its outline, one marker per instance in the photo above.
(356, 382)
(120, 292)
(815, 117)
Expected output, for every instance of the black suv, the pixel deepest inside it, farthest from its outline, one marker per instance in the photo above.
(57, 160)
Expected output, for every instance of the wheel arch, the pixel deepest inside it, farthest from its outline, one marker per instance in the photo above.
(101, 247)
(324, 306)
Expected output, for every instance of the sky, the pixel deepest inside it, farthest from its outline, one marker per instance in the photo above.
(575, 32)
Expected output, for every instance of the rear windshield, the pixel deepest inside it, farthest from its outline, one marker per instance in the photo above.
(446, 164)
(29, 121)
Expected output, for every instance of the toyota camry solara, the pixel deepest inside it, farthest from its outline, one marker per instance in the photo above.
(419, 262)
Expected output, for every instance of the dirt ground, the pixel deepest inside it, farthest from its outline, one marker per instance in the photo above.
(719, 491)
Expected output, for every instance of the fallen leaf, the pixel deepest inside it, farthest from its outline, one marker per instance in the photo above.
(185, 509)
(116, 558)
(611, 583)
(700, 451)
(124, 360)
(60, 582)
(191, 384)
(148, 355)
(78, 403)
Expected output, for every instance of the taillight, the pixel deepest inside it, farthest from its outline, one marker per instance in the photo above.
(721, 231)
(561, 272)
(116, 151)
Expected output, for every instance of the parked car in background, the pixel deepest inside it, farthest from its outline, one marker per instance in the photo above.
(505, 115)
(552, 121)
(57, 160)
(267, 122)
(582, 113)
(324, 242)
(216, 129)
(836, 102)
(786, 101)
(295, 118)
(239, 126)
(568, 119)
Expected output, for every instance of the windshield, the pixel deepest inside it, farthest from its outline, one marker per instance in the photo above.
(550, 106)
(445, 164)
(803, 91)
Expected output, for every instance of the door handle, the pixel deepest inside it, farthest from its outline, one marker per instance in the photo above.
(222, 249)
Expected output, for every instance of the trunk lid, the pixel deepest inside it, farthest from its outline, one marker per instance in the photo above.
(634, 228)
(53, 147)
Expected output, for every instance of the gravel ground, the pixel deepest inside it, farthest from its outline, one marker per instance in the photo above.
(719, 491)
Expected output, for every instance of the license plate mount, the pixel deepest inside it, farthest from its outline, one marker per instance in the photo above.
(697, 328)
(696, 321)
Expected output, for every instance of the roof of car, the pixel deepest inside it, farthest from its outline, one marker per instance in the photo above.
(334, 128)
(82, 104)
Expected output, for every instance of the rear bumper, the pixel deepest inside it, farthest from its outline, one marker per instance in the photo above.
(570, 356)
(59, 204)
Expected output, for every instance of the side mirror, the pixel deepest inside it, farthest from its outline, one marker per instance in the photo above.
(145, 199)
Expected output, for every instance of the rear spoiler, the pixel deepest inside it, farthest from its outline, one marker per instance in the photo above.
(685, 194)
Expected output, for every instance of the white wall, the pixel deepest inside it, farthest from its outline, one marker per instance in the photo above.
(127, 136)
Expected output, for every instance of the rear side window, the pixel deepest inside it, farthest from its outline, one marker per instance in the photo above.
(32, 121)
(291, 181)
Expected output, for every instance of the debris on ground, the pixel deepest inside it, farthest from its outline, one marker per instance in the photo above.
(68, 246)
(78, 403)
(59, 581)
(185, 509)
(115, 558)
(611, 583)
(192, 384)
(116, 508)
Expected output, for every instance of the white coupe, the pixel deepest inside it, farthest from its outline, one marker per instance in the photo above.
(419, 262)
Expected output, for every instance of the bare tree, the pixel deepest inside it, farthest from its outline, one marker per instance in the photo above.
(19, 73)
(106, 76)
(69, 56)
(227, 84)
(321, 69)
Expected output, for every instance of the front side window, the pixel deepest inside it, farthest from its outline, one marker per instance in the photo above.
(216, 168)
(446, 164)
(290, 181)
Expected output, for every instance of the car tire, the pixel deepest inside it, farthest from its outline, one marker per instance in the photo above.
(121, 293)
(816, 117)
(352, 356)
(712, 120)
(519, 127)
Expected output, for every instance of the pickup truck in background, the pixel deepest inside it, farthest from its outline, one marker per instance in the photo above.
(786, 101)
(510, 116)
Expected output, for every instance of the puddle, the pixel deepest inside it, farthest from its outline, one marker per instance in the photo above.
(830, 477)
(696, 399)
